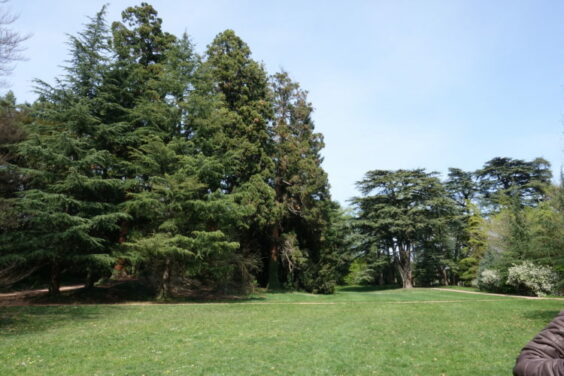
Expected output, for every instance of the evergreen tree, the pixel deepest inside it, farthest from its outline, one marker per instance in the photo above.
(475, 244)
(68, 207)
(231, 109)
(502, 177)
(461, 186)
(404, 211)
(547, 231)
(190, 169)
(304, 210)
(11, 132)
(171, 215)
(243, 140)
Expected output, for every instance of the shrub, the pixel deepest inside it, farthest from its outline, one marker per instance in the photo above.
(532, 279)
(468, 269)
(489, 280)
(359, 273)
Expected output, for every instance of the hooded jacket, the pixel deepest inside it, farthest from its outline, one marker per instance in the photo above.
(544, 355)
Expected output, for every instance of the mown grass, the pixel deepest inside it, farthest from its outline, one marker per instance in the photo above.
(462, 288)
(358, 331)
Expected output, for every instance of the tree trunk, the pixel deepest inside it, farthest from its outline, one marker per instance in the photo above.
(273, 262)
(406, 278)
(123, 231)
(445, 277)
(89, 283)
(404, 268)
(55, 279)
(164, 290)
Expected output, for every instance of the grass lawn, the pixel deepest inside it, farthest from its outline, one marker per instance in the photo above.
(462, 288)
(358, 331)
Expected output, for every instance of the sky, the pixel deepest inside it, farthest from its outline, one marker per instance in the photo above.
(395, 84)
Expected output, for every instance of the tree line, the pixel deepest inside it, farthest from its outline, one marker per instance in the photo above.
(500, 228)
(203, 172)
(147, 159)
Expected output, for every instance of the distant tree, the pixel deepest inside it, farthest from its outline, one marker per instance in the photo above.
(503, 177)
(461, 186)
(475, 244)
(547, 230)
(403, 211)
(518, 234)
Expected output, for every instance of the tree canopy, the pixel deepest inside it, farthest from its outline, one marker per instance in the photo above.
(179, 169)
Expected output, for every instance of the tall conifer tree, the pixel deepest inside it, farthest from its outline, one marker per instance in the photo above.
(300, 184)
(230, 126)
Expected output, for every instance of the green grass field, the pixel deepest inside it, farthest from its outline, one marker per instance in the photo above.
(354, 332)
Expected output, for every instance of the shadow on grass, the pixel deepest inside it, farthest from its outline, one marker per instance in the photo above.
(541, 315)
(367, 288)
(120, 292)
(22, 320)
(134, 291)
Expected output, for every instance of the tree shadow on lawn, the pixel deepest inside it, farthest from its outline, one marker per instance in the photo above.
(367, 288)
(22, 320)
(545, 315)
(122, 292)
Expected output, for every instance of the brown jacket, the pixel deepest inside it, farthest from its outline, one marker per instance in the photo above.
(544, 355)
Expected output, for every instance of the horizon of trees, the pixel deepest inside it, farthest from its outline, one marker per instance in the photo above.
(414, 229)
(203, 172)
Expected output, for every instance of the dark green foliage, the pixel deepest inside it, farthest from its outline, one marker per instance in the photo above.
(67, 207)
(228, 115)
(474, 244)
(547, 230)
(302, 236)
(66, 212)
(404, 214)
(183, 171)
(139, 37)
(243, 111)
(461, 186)
(11, 132)
(504, 177)
(170, 232)
(518, 234)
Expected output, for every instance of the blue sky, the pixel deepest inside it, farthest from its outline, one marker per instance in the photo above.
(395, 84)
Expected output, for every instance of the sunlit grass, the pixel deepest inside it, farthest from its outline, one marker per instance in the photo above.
(361, 331)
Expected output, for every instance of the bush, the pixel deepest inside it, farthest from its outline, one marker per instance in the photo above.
(532, 279)
(359, 273)
(489, 280)
(468, 269)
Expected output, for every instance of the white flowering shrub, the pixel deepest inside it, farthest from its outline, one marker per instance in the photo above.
(489, 280)
(536, 279)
